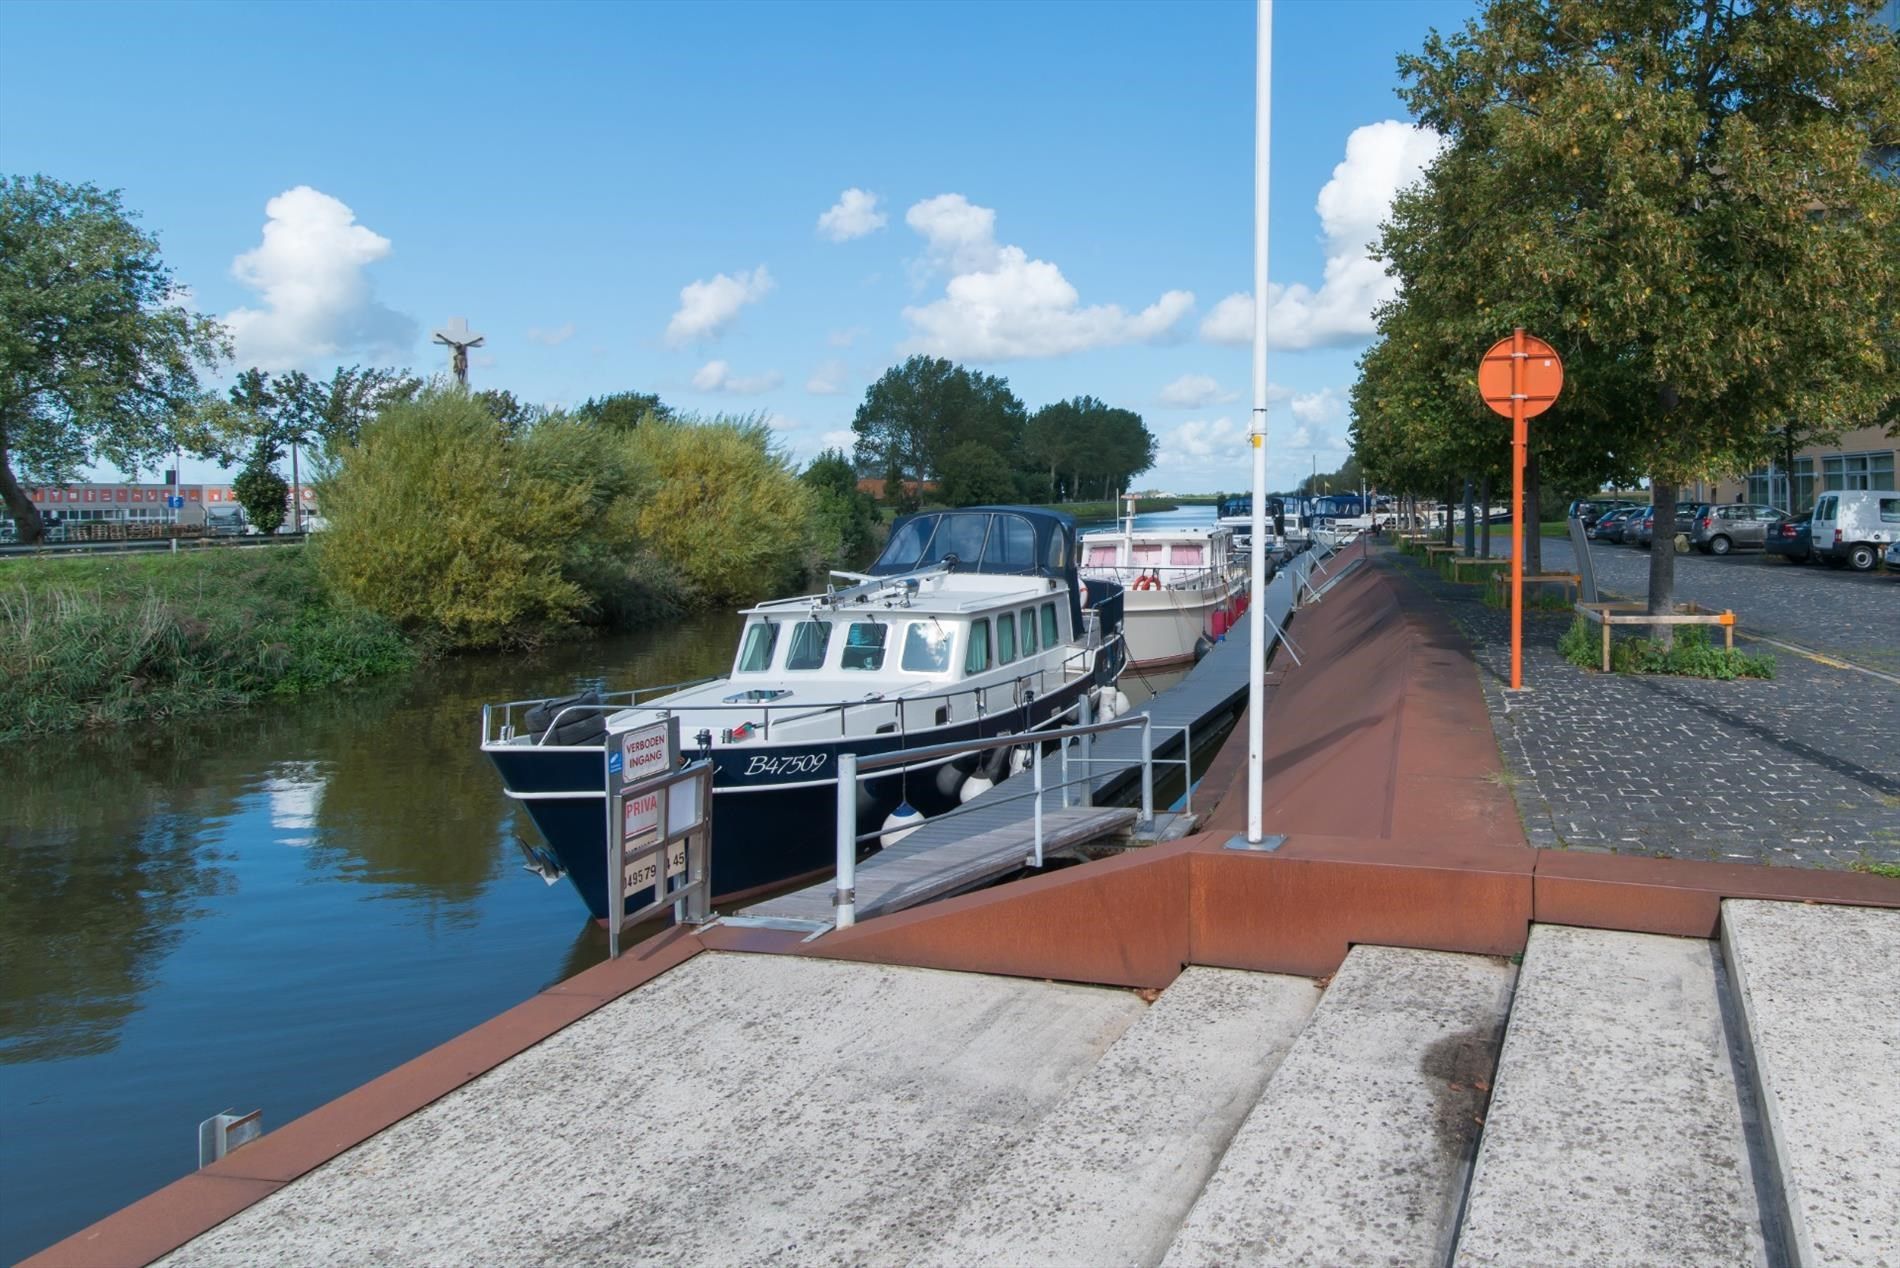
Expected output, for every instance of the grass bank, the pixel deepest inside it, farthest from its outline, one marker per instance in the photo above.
(96, 642)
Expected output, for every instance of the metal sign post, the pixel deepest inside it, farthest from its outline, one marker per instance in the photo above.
(1519, 378)
(659, 828)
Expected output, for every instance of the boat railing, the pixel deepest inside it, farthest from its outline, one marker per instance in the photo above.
(853, 767)
(1171, 576)
(503, 723)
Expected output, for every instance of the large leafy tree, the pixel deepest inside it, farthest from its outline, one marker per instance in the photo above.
(622, 411)
(99, 356)
(1101, 448)
(916, 413)
(1677, 194)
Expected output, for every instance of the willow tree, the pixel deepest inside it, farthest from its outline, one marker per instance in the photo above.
(1676, 194)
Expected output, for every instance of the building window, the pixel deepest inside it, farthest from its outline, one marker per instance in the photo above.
(1858, 471)
(1769, 487)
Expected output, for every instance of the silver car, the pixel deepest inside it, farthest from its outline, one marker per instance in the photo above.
(1720, 528)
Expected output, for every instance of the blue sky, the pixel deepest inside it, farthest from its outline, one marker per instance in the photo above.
(629, 196)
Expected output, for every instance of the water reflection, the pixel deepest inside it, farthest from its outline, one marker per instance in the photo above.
(266, 907)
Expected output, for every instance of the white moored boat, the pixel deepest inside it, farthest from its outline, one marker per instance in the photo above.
(1183, 587)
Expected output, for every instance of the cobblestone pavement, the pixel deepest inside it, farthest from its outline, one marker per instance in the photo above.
(1853, 616)
(1800, 771)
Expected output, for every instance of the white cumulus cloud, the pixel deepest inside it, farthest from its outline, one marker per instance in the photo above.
(844, 338)
(1381, 159)
(1200, 439)
(1328, 405)
(853, 216)
(706, 307)
(1000, 305)
(717, 376)
(1195, 391)
(828, 379)
(315, 301)
(552, 336)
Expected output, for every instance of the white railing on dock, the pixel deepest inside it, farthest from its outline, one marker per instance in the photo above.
(852, 768)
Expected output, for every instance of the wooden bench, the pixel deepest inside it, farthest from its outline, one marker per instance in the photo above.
(1609, 614)
(1475, 561)
(1570, 579)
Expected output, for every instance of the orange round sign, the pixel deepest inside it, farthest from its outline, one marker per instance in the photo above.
(1541, 380)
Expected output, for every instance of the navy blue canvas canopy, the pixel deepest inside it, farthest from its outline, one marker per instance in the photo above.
(1010, 540)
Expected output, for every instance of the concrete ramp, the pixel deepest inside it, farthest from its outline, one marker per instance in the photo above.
(1108, 1174)
(1358, 1149)
(739, 1109)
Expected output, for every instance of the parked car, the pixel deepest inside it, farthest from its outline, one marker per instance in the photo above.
(1893, 556)
(1641, 528)
(1592, 510)
(1609, 527)
(1851, 526)
(1720, 528)
(1790, 539)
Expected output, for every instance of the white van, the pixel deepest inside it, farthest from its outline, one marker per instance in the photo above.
(1851, 525)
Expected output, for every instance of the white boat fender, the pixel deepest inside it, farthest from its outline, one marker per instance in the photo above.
(1019, 759)
(975, 786)
(1122, 704)
(901, 822)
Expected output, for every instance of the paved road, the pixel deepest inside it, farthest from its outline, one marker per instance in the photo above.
(1802, 771)
(1854, 616)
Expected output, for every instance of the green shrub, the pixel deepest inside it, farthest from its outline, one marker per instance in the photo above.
(105, 641)
(443, 523)
(719, 505)
(1690, 655)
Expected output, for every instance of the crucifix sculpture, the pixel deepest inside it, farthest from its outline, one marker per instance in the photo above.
(458, 336)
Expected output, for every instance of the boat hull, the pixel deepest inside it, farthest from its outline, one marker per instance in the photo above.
(1165, 627)
(774, 805)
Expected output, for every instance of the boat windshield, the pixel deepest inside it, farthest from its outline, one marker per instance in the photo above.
(863, 646)
(755, 655)
(809, 641)
(926, 648)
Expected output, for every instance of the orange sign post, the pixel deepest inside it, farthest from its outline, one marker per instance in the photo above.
(1520, 378)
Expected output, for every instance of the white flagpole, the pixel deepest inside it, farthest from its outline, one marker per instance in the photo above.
(1256, 607)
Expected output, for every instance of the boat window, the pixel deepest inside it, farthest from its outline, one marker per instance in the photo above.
(756, 656)
(906, 548)
(809, 641)
(1185, 556)
(1145, 556)
(977, 658)
(1005, 638)
(1029, 631)
(863, 646)
(926, 648)
(1101, 556)
(1049, 636)
(1057, 557)
(1012, 545)
(962, 536)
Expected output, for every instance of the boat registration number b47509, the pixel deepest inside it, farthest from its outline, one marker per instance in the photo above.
(792, 764)
(640, 871)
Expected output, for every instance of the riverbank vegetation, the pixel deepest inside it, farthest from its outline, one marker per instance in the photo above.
(1689, 654)
(137, 639)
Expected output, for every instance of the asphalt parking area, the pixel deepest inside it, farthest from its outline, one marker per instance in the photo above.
(1802, 770)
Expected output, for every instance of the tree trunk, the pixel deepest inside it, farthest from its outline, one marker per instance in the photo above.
(1470, 537)
(1484, 534)
(1533, 516)
(1788, 436)
(1451, 519)
(1662, 556)
(26, 516)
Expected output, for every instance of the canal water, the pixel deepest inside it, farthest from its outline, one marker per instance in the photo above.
(271, 907)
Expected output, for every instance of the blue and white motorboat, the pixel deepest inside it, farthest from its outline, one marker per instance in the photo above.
(972, 623)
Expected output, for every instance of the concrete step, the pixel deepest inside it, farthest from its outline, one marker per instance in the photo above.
(1358, 1149)
(1615, 1133)
(1817, 991)
(1106, 1176)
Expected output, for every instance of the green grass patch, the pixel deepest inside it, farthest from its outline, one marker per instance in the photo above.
(1537, 598)
(96, 642)
(1872, 868)
(1555, 528)
(1691, 655)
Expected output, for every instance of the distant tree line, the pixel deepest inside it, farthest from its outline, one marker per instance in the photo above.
(931, 420)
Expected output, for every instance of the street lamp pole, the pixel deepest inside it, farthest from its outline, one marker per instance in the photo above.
(1257, 436)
